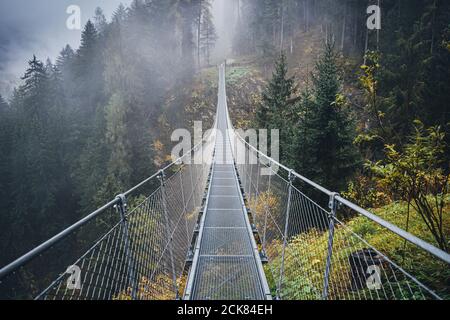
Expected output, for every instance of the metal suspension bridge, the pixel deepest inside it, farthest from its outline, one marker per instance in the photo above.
(212, 226)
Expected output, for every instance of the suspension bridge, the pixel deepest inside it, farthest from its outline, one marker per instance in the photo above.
(220, 229)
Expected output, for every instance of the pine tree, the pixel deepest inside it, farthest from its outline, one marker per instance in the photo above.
(100, 23)
(6, 120)
(208, 35)
(89, 37)
(88, 82)
(187, 17)
(3, 104)
(64, 59)
(7, 123)
(274, 109)
(275, 96)
(34, 169)
(81, 129)
(119, 172)
(329, 155)
(120, 14)
(34, 77)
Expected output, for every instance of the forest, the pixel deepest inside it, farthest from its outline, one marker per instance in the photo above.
(83, 128)
(361, 112)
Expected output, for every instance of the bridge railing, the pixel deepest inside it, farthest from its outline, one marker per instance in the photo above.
(321, 246)
(135, 247)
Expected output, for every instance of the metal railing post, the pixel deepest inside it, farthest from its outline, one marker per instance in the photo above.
(251, 179)
(162, 178)
(266, 214)
(258, 172)
(184, 203)
(121, 208)
(286, 233)
(192, 184)
(333, 207)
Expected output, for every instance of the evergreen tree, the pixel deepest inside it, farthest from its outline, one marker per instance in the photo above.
(100, 23)
(81, 130)
(3, 104)
(208, 35)
(88, 72)
(6, 122)
(120, 13)
(119, 172)
(64, 60)
(327, 132)
(34, 169)
(276, 95)
(187, 16)
(273, 111)
(87, 48)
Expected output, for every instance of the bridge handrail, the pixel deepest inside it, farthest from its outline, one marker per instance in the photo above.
(40, 249)
(442, 255)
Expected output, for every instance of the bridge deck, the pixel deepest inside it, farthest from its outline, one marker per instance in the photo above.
(226, 265)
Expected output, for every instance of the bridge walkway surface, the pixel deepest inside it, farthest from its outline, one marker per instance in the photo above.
(226, 263)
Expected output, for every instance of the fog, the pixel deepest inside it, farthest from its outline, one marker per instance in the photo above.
(224, 12)
(39, 27)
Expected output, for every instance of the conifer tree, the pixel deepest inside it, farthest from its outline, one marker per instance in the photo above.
(100, 20)
(329, 155)
(5, 154)
(275, 96)
(274, 109)
(208, 36)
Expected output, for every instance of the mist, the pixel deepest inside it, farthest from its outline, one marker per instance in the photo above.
(39, 27)
(96, 119)
(225, 20)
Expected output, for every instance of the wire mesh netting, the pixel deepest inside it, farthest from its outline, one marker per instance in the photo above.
(227, 278)
(226, 262)
(141, 253)
(318, 253)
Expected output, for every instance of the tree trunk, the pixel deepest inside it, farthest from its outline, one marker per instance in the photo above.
(433, 35)
(378, 30)
(344, 26)
(305, 7)
(282, 27)
(199, 30)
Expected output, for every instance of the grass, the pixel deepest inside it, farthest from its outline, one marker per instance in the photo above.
(306, 256)
(236, 74)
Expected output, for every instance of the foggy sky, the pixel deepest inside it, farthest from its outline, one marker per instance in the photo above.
(38, 27)
(224, 12)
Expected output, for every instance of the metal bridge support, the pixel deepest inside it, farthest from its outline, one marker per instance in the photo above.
(333, 207)
(184, 204)
(162, 179)
(251, 179)
(266, 214)
(121, 208)
(286, 234)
